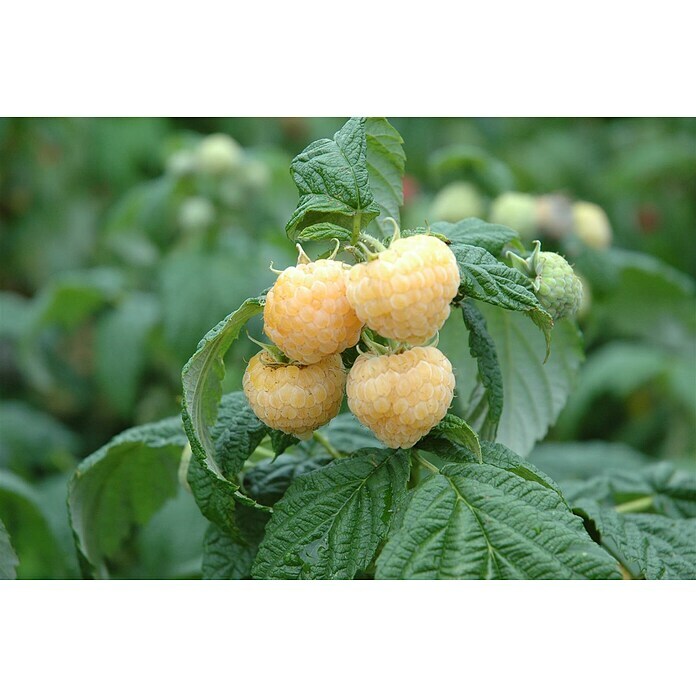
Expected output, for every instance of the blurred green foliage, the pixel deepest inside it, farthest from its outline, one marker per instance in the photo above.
(122, 241)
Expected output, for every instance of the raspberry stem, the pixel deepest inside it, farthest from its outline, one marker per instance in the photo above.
(356, 229)
(418, 458)
(324, 442)
(372, 241)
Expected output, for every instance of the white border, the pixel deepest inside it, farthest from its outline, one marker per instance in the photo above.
(314, 58)
(346, 638)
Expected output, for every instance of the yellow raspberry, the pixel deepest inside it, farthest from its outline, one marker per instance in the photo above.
(307, 314)
(296, 399)
(401, 397)
(592, 225)
(405, 293)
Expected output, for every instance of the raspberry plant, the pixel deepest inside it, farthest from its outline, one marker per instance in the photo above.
(402, 483)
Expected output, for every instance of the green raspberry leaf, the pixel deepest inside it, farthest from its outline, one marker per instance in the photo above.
(482, 348)
(322, 232)
(475, 232)
(453, 429)
(333, 181)
(658, 488)
(485, 278)
(649, 547)
(386, 162)
(492, 520)
(235, 436)
(228, 558)
(330, 522)
(8, 558)
(535, 391)
(202, 392)
(122, 485)
(269, 479)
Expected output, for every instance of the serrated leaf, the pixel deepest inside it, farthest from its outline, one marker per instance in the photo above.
(453, 429)
(120, 354)
(482, 348)
(485, 278)
(269, 479)
(535, 391)
(236, 433)
(474, 232)
(330, 522)
(122, 485)
(486, 521)
(202, 392)
(386, 162)
(333, 181)
(323, 231)
(8, 558)
(648, 546)
(280, 441)
(225, 558)
(665, 489)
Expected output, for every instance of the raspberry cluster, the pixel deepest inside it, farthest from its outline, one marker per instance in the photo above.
(401, 388)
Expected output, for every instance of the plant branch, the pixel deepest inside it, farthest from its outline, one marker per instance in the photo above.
(324, 442)
(418, 458)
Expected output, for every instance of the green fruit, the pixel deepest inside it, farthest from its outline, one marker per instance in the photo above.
(219, 154)
(556, 286)
(196, 213)
(457, 201)
(517, 211)
(559, 289)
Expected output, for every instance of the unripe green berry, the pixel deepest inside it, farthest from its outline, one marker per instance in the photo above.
(558, 288)
(196, 213)
(219, 154)
(457, 201)
(517, 211)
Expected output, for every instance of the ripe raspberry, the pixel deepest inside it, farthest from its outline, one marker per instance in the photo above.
(307, 314)
(296, 399)
(591, 225)
(401, 397)
(405, 292)
(559, 289)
